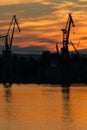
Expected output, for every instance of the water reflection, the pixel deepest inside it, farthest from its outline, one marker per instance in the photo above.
(8, 92)
(66, 92)
(34, 107)
(10, 113)
(67, 118)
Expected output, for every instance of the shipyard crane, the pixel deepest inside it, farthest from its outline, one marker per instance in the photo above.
(9, 37)
(66, 34)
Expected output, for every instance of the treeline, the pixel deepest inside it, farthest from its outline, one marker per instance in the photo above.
(48, 68)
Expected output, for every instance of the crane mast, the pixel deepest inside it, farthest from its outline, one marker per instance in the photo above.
(10, 34)
(66, 34)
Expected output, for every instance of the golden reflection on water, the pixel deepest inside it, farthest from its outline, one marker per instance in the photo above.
(43, 107)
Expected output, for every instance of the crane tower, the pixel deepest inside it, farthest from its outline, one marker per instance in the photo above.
(66, 35)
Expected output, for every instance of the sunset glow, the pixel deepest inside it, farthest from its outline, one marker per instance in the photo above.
(41, 22)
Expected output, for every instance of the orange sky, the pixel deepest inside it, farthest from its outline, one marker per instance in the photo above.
(41, 22)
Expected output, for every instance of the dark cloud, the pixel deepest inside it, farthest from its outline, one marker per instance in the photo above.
(36, 10)
(46, 40)
(83, 38)
(26, 10)
(3, 23)
(29, 50)
(25, 50)
(83, 3)
(77, 7)
(83, 51)
(34, 39)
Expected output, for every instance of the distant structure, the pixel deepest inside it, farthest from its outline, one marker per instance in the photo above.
(55, 68)
(57, 49)
(66, 34)
(9, 37)
(7, 57)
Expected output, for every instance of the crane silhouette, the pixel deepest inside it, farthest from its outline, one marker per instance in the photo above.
(66, 35)
(10, 34)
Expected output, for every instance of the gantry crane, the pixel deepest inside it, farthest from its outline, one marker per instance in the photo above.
(9, 37)
(66, 34)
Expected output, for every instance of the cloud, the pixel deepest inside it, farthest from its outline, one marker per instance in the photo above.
(26, 50)
(26, 10)
(83, 38)
(29, 50)
(41, 21)
(51, 41)
(83, 0)
(10, 2)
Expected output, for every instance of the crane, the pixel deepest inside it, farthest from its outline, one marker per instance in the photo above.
(9, 37)
(66, 34)
(13, 23)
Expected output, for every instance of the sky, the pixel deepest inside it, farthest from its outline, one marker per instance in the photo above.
(41, 22)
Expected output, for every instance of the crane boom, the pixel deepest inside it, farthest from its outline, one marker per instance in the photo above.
(10, 34)
(66, 34)
(10, 25)
(75, 48)
(68, 25)
(17, 24)
(14, 22)
(57, 49)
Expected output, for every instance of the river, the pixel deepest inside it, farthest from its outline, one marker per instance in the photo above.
(43, 107)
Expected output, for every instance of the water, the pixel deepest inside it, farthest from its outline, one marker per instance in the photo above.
(43, 107)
